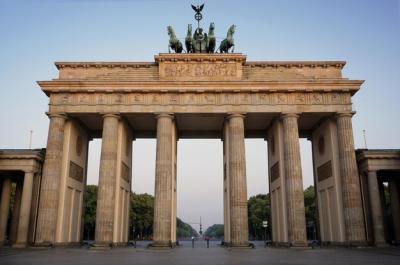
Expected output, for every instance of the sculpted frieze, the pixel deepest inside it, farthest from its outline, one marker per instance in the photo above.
(200, 71)
(201, 98)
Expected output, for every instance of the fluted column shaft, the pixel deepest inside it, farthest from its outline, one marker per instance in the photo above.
(25, 211)
(237, 182)
(4, 208)
(351, 194)
(107, 179)
(163, 181)
(294, 182)
(49, 190)
(376, 208)
(15, 212)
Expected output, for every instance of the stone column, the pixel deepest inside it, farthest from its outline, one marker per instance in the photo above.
(227, 227)
(376, 209)
(237, 182)
(107, 178)
(395, 205)
(49, 191)
(4, 209)
(163, 182)
(294, 182)
(15, 212)
(25, 211)
(351, 193)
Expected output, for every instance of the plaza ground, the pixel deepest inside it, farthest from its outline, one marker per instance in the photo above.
(200, 255)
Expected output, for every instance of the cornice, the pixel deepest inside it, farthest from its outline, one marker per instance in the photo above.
(76, 86)
(296, 64)
(200, 57)
(62, 65)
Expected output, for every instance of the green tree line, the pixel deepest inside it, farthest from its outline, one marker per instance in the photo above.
(142, 210)
(140, 217)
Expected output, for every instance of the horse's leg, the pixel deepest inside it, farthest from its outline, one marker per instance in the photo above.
(233, 48)
(169, 48)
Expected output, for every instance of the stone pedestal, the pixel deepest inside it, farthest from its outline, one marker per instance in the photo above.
(25, 211)
(294, 183)
(237, 182)
(376, 209)
(49, 192)
(107, 178)
(352, 205)
(4, 208)
(164, 183)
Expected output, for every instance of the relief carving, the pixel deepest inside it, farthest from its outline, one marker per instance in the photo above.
(275, 172)
(324, 171)
(125, 172)
(205, 98)
(200, 70)
(75, 172)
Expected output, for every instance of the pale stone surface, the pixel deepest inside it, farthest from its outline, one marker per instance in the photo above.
(376, 209)
(4, 206)
(163, 195)
(237, 182)
(328, 183)
(226, 186)
(294, 182)
(49, 195)
(106, 189)
(277, 184)
(352, 205)
(25, 211)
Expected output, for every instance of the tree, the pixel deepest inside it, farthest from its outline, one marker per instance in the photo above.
(141, 215)
(89, 224)
(258, 211)
(311, 213)
(215, 231)
(184, 230)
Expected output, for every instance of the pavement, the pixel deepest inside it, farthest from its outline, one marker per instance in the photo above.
(200, 255)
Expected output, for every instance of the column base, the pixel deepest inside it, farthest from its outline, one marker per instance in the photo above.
(356, 244)
(162, 244)
(20, 245)
(102, 245)
(240, 245)
(45, 244)
(299, 244)
(381, 245)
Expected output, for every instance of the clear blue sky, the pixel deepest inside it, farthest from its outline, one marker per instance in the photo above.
(34, 34)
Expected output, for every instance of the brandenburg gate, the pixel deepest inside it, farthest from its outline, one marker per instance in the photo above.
(200, 95)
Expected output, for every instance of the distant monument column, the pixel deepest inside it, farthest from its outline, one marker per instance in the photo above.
(106, 190)
(294, 182)
(4, 208)
(237, 182)
(352, 205)
(376, 209)
(164, 182)
(49, 192)
(25, 211)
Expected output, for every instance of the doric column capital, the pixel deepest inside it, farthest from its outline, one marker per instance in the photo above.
(345, 114)
(111, 114)
(164, 115)
(236, 115)
(57, 115)
(290, 115)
